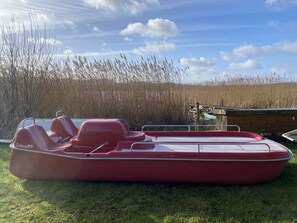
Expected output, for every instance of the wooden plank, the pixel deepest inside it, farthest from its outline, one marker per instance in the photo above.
(264, 122)
(277, 111)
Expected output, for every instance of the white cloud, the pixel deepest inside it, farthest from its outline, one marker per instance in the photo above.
(42, 18)
(227, 56)
(138, 6)
(247, 51)
(280, 4)
(248, 65)
(93, 54)
(154, 48)
(96, 29)
(274, 24)
(271, 2)
(201, 67)
(45, 41)
(104, 4)
(128, 39)
(282, 26)
(286, 46)
(131, 6)
(70, 24)
(250, 50)
(154, 28)
(68, 51)
(197, 62)
(284, 67)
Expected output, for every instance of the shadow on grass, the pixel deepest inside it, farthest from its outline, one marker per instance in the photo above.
(136, 202)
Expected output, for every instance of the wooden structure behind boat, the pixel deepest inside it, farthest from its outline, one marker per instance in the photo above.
(262, 121)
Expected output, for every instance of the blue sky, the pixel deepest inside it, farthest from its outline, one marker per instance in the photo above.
(213, 37)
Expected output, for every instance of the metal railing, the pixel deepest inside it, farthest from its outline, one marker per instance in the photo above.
(58, 112)
(199, 144)
(189, 127)
(27, 119)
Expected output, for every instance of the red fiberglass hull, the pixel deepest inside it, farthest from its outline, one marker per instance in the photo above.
(190, 157)
(164, 168)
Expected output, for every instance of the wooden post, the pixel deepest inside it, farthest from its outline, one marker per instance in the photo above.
(197, 116)
(222, 102)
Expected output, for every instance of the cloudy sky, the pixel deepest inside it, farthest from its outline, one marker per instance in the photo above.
(212, 37)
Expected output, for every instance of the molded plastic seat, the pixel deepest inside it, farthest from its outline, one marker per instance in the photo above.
(63, 127)
(34, 137)
(95, 132)
(131, 135)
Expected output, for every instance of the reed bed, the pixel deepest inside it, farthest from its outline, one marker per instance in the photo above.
(247, 91)
(145, 91)
(148, 91)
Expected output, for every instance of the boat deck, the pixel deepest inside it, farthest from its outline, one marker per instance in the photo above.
(209, 144)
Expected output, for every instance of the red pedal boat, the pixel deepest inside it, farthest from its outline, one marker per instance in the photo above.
(106, 150)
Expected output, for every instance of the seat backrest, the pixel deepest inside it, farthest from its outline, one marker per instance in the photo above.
(33, 137)
(131, 135)
(64, 127)
(125, 124)
(95, 132)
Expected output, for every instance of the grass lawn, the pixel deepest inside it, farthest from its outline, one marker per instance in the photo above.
(62, 201)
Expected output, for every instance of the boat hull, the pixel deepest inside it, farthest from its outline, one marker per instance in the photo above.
(36, 165)
(106, 150)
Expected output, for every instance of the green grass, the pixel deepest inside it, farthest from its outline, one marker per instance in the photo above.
(62, 201)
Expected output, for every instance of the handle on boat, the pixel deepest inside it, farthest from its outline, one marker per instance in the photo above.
(57, 113)
(65, 139)
(199, 144)
(99, 147)
(26, 119)
(187, 126)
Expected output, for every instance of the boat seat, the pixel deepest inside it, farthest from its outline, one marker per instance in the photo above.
(131, 135)
(63, 127)
(95, 132)
(124, 124)
(34, 137)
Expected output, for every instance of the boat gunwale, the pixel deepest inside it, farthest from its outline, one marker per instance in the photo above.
(156, 158)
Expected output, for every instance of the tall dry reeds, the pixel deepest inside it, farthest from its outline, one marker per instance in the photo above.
(24, 65)
(148, 90)
(247, 91)
(32, 83)
(143, 91)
